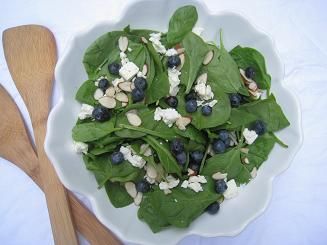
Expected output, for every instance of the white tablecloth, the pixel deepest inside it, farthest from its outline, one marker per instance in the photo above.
(297, 213)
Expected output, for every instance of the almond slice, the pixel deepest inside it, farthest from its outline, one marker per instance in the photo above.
(202, 78)
(180, 50)
(218, 175)
(182, 122)
(144, 40)
(98, 94)
(138, 198)
(145, 69)
(123, 43)
(110, 92)
(131, 189)
(125, 86)
(208, 58)
(182, 57)
(133, 119)
(124, 104)
(108, 102)
(122, 97)
(253, 86)
(151, 172)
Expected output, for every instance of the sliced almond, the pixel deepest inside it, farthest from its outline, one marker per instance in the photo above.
(180, 50)
(246, 160)
(131, 189)
(98, 94)
(133, 119)
(218, 175)
(151, 172)
(182, 122)
(144, 40)
(145, 69)
(124, 104)
(110, 92)
(253, 86)
(202, 78)
(254, 172)
(125, 86)
(108, 102)
(245, 79)
(244, 150)
(182, 57)
(122, 97)
(123, 43)
(208, 58)
(190, 172)
(132, 85)
(138, 198)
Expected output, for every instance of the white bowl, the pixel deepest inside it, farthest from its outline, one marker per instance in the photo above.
(235, 214)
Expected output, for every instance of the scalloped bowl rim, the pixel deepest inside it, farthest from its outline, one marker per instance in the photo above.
(62, 175)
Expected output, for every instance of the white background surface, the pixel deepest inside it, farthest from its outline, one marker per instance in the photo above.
(297, 213)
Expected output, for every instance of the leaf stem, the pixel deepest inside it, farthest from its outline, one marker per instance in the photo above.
(204, 158)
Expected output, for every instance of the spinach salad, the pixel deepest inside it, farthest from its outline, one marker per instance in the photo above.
(172, 123)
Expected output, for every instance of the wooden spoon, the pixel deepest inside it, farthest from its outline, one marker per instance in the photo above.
(16, 147)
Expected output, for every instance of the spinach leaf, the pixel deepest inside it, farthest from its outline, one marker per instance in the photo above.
(250, 57)
(158, 89)
(85, 93)
(117, 194)
(104, 170)
(223, 71)
(138, 54)
(108, 148)
(192, 133)
(181, 23)
(230, 163)
(138, 32)
(269, 111)
(90, 131)
(156, 58)
(238, 118)
(195, 49)
(175, 208)
(103, 70)
(166, 159)
(151, 69)
(106, 140)
(99, 50)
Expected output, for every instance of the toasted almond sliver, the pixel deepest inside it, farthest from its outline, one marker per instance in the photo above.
(180, 50)
(145, 69)
(98, 94)
(244, 150)
(110, 92)
(138, 198)
(208, 58)
(182, 57)
(123, 43)
(125, 86)
(144, 40)
(253, 86)
(218, 175)
(131, 189)
(108, 102)
(202, 78)
(122, 97)
(182, 122)
(133, 119)
(151, 172)
(124, 104)
(254, 173)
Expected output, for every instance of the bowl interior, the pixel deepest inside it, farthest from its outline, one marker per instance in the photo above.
(235, 214)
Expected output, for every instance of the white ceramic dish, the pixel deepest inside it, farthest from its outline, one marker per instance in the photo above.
(235, 214)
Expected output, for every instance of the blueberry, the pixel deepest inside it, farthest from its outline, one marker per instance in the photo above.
(103, 84)
(143, 186)
(196, 156)
(190, 96)
(176, 146)
(173, 61)
(101, 113)
(181, 158)
(191, 106)
(218, 146)
(140, 83)
(220, 186)
(117, 158)
(206, 110)
(235, 100)
(227, 142)
(223, 134)
(195, 167)
(114, 68)
(172, 101)
(213, 208)
(250, 72)
(137, 95)
(259, 127)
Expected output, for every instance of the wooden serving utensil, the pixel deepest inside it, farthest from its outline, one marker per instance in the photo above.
(16, 147)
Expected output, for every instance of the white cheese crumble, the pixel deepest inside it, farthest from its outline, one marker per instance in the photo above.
(204, 91)
(232, 189)
(169, 184)
(171, 52)
(174, 81)
(250, 136)
(211, 103)
(80, 147)
(155, 39)
(123, 58)
(140, 74)
(129, 155)
(169, 115)
(128, 70)
(194, 183)
(145, 150)
(86, 111)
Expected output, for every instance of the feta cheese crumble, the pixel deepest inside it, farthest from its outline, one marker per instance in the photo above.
(80, 147)
(232, 189)
(145, 150)
(155, 39)
(250, 136)
(123, 58)
(171, 52)
(203, 91)
(129, 155)
(169, 115)
(194, 183)
(86, 111)
(169, 184)
(128, 70)
(174, 81)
